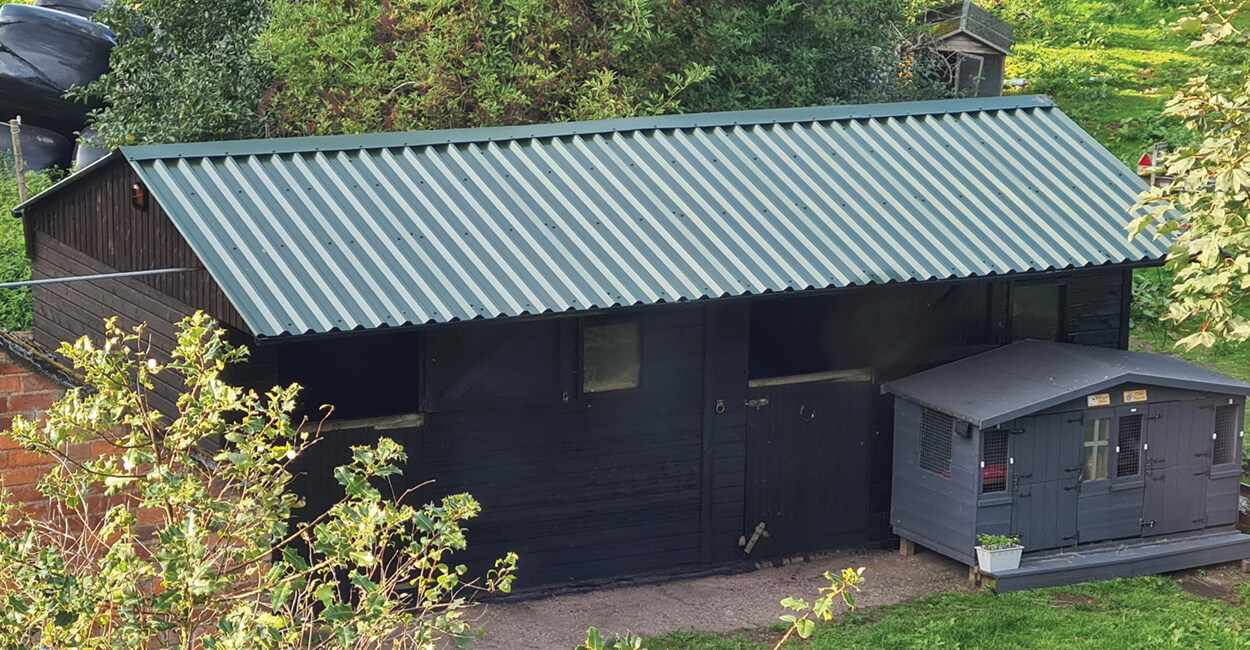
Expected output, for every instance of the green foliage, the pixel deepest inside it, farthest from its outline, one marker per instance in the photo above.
(224, 567)
(1203, 211)
(182, 71)
(595, 641)
(15, 304)
(803, 620)
(996, 542)
(387, 65)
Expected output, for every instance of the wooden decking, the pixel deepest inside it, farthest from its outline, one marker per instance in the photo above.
(1122, 559)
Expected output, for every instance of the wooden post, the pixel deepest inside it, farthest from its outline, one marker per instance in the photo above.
(15, 128)
(906, 547)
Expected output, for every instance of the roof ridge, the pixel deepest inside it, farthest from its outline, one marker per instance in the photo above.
(831, 113)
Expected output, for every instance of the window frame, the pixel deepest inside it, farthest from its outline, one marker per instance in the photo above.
(1061, 331)
(582, 326)
(1108, 448)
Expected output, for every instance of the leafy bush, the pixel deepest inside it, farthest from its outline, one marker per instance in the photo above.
(224, 567)
(15, 304)
(388, 65)
(182, 71)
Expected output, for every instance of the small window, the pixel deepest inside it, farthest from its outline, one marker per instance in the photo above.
(1097, 439)
(1037, 312)
(1128, 446)
(935, 442)
(1225, 424)
(994, 461)
(611, 357)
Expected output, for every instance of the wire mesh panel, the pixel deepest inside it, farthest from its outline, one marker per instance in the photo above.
(1225, 422)
(994, 461)
(1128, 446)
(935, 441)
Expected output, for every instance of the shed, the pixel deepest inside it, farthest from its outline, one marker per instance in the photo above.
(976, 45)
(1106, 463)
(638, 341)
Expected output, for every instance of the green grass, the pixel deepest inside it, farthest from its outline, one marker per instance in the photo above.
(1148, 612)
(1109, 65)
(15, 304)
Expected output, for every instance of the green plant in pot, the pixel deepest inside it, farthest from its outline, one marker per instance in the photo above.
(998, 552)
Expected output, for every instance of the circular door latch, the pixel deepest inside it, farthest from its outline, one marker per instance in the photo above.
(807, 413)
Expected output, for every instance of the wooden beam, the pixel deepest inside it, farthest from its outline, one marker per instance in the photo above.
(906, 547)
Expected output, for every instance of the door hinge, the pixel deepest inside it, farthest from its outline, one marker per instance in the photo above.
(1076, 486)
(1155, 416)
(1205, 472)
(1200, 520)
(1073, 538)
(1016, 432)
(757, 403)
(1145, 523)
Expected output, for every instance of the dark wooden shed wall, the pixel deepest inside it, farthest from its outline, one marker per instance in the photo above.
(64, 312)
(96, 220)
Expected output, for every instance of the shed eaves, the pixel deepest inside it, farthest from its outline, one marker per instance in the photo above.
(1028, 376)
(314, 235)
(967, 18)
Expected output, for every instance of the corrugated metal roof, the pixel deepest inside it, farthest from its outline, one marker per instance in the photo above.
(1025, 377)
(315, 235)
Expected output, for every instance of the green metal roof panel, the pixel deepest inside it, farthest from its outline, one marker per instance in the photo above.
(327, 234)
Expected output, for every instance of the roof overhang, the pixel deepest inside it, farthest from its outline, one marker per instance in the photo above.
(1016, 380)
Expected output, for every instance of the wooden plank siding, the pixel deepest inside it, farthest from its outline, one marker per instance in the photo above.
(64, 312)
(96, 219)
(1095, 309)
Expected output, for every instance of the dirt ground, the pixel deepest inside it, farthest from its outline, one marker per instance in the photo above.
(722, 603)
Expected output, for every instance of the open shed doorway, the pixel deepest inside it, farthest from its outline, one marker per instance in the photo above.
(812, 408)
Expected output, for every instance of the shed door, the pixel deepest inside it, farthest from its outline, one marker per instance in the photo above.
(1046, 460)
(807, 465)
(1178, 466)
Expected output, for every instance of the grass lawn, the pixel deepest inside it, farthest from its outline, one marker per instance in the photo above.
(1110, 65)
(1148, 612)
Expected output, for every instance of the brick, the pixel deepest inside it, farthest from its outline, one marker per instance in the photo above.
(10, 383)
(80, 451)
(23, 458)
(26, 494)
(31, 383)
(100, 448)
(149, 516)
(7, 442)
(10, 368)
(14, 477)
(31, 401)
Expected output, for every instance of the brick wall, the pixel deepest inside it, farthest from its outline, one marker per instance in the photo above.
(27, 392)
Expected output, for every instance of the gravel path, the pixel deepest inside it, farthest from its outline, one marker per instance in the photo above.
(711, 604)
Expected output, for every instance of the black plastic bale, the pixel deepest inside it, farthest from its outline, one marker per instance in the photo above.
(86, 151)
(41, 148)
(81, 8)
(44, 53)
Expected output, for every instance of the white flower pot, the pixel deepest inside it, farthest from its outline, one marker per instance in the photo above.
(1003, 559)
